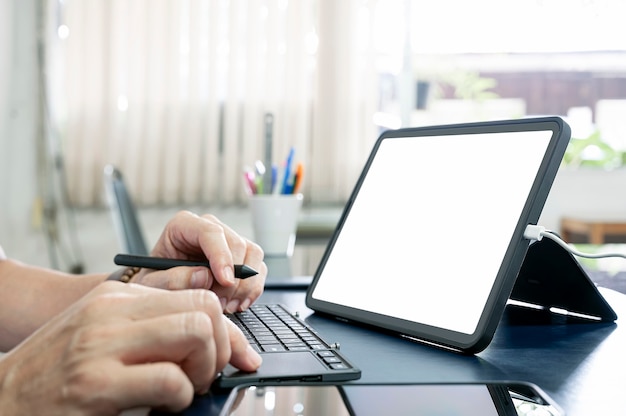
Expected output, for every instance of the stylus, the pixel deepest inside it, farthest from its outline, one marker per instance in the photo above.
(158, 263)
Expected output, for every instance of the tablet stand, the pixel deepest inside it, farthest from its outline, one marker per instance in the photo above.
(553, 281)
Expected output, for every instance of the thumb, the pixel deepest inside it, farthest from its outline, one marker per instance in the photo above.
(177, 278)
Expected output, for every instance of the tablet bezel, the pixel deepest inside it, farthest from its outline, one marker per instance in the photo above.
(515, 253)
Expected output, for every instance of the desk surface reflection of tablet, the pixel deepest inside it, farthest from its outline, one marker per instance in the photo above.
(495, 399)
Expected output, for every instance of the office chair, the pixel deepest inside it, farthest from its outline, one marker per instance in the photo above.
(123, 211)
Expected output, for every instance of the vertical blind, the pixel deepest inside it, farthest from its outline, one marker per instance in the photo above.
(174, 93)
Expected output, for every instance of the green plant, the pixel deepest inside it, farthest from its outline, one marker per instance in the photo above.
(592, 151)
(472, 86)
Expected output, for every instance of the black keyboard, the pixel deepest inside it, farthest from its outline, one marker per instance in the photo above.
(271, 328)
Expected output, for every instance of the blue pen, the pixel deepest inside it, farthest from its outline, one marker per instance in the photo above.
(287, 170)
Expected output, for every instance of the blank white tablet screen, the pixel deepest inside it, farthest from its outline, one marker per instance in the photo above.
(430, 225)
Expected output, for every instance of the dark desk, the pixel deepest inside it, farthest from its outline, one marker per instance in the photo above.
(579, 365)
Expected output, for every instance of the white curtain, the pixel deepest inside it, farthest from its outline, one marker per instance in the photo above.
(174, 93)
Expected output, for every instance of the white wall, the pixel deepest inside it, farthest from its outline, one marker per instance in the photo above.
(18, 119)
(587, 194)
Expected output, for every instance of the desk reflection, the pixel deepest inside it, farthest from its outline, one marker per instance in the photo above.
(287, 400)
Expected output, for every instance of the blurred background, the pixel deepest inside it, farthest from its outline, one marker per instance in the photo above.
(174, 92)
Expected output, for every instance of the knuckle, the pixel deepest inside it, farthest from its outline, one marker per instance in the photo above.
(96, 307)
(87, 338)
(239, 243)
(212, 218)
(198, 325)
(206, 300)
(212, 223)
(256, 249)
(183, 215)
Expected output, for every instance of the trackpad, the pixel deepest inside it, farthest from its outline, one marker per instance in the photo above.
(282, 366)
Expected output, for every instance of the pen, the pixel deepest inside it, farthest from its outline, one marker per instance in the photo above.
(158, 263)
(288, 163)
(249, 179)
(297, 179)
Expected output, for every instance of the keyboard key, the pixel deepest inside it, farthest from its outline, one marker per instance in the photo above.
(332, 360)
(273, 348)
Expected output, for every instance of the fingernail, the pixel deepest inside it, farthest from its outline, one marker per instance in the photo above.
(199, 279)
(254, 356)
(223, 303)
(229, 275)
(233, 306)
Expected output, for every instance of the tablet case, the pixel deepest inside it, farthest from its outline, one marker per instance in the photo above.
(552, 279)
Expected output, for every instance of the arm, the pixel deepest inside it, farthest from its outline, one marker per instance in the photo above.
(32, 295)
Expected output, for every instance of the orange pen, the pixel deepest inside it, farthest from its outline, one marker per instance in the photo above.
(298, 178)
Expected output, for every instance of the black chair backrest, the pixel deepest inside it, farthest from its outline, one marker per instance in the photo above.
(125, 219)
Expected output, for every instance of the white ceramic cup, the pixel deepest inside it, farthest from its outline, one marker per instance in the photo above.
(275, 221)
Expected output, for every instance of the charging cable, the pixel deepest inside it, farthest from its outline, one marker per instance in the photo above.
(537, 232)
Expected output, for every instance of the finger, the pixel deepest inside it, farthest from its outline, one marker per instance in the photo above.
(253, 287)
(244, 293)
(238, 298)
(254, 255)
(177, 278)
(241, 295)
(193, 340)
(236, 247)
(190, 236)
(160, 385)
(242, 355)
(237, 244)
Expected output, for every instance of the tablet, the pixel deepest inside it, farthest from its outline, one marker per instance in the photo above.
(431, 239)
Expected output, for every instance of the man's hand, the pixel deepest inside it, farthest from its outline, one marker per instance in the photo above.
(120, 347)
(192, 237)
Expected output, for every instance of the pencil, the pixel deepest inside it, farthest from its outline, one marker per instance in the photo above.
(158, 263)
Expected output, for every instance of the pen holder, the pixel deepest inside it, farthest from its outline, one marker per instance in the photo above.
(275, 221)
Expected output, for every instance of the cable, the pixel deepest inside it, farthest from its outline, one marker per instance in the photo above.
(537, 232)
